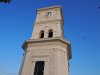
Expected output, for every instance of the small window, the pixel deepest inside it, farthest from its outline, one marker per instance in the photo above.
(39, 68)
(50, 33)
(42, 34)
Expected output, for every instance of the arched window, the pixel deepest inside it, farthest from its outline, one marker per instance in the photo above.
(50, 33)
(42, 34)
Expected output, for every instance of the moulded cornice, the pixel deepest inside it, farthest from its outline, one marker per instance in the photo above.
(49, 21)
(57, 6)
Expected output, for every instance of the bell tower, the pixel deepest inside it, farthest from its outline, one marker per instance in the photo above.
(46, 52)
(49, 18)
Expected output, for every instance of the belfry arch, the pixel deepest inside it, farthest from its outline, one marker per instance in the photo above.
(50, 33)
(42, 34)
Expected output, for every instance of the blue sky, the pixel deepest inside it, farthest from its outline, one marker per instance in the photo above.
(81, 27)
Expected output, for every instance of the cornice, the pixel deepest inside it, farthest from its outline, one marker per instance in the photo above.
(49, 21)
(46, 40)
(51, 7)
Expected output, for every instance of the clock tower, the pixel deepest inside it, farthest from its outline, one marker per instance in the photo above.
(46, 52)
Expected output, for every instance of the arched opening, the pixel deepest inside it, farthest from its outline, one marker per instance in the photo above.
(42, 34)
(50, 33)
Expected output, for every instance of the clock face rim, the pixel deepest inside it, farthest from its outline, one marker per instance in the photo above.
(47, 14)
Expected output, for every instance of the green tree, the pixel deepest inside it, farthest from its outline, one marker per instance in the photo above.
(5, 1)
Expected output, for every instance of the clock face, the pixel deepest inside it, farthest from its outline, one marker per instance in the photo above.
(47, 14)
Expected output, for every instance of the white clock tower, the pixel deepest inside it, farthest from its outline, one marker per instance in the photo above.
(46, 52)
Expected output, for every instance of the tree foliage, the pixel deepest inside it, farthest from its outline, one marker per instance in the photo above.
(5, 1)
